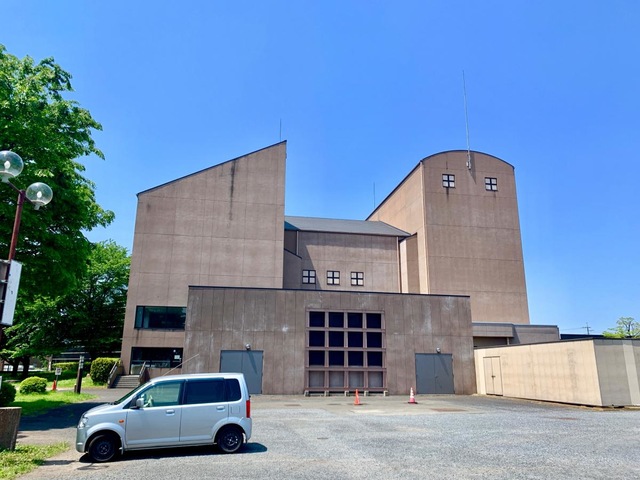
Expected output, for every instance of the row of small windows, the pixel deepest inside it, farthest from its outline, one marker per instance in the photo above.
(333, 278)
(449, 181)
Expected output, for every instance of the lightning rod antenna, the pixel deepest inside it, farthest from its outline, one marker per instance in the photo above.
(466, 120)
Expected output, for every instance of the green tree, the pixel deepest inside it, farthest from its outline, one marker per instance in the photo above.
(95, 311)
(626, 327)
(90, 316)
(50, 133)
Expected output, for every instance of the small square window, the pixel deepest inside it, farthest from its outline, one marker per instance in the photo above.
(308, 276)
(333, 277)
(316, 319)
(448, 180)
(491, 184)
(357, 279)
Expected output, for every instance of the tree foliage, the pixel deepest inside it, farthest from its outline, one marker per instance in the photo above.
(50, 133)
(626, 327)
(89, 317)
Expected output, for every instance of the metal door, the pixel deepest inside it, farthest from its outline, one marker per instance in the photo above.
(434, 373)
(492, 375)
(247, 362)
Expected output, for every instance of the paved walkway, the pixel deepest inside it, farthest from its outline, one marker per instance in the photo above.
(59, 424)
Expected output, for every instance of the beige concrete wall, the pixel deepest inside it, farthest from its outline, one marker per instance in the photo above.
(275, 322)
(409, 265)
(219, 226)
(619, 371)
(473, 235)
(468, 238)
(492, 334)
(292, 278)
(374, 255)
(404, 209)
(558, 372)
(586, 372)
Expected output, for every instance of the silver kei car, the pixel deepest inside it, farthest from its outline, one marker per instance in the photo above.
(170, 411)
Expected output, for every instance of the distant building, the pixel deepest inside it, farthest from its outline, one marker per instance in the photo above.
(222, 280)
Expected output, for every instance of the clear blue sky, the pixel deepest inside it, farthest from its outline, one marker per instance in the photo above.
(362, 90)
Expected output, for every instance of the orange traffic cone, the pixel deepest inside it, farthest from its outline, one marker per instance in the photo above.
(357, 400)
(412, 398)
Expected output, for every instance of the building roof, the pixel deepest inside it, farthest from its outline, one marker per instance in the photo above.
(329, 225)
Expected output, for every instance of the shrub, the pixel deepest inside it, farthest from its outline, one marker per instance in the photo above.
(33, 385)
(7, 394)
(100, 369)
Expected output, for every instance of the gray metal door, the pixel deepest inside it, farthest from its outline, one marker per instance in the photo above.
(434, 373)
(247, 362)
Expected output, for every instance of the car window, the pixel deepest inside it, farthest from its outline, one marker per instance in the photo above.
(233, 390)
(162, 395)
(204, 391)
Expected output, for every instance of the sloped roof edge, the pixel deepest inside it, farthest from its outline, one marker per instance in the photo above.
(424, 160)
(209, 168)
(330, 225)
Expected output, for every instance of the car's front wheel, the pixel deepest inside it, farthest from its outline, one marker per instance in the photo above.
(103, 447)
(230, 439)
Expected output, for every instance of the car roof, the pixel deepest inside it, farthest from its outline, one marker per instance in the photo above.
(187, 376)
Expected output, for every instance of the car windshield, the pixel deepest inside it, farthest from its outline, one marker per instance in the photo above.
(122, 399)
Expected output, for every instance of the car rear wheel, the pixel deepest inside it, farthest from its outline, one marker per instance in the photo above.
(230, 439)
(103, 447)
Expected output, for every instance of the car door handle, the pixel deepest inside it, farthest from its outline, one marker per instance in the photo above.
(170, 412)
(220, 409)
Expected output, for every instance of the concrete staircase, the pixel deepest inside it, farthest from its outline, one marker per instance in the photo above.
(128, 382)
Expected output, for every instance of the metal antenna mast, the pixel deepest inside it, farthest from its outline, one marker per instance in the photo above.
(466, 120)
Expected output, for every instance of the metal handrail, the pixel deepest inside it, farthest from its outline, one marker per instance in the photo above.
(113, 374)
(143, 376)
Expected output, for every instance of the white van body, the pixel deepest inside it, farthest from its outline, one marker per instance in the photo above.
(170, 411)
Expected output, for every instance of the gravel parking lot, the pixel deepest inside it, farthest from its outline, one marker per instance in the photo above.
(385, 437)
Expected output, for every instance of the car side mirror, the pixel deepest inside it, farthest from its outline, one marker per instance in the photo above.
(139, 403)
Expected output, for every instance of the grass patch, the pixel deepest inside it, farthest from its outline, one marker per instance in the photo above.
(37, 403)
(26, 458)
(70, 383)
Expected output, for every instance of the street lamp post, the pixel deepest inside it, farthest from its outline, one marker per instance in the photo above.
(37, 194)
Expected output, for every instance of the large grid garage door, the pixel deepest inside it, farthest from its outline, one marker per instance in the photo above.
(345, 352)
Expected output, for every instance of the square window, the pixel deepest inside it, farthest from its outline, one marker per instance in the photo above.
(336, 339)
(308, 277)
(316, 319)
(316, 338)
(374, 340)
(333, 277)
(374, 359)
(355, 339)
(336, 319)
(356, 359)
(336, 358)
(374, 320)
(357, 279)
(491, 184)
(316, 358)
(448, 180)
(354, 320)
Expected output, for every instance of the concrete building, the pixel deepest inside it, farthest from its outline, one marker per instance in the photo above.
(222, 280)
(597, 372)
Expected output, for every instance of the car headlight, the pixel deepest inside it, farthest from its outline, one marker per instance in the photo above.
(83, 422)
